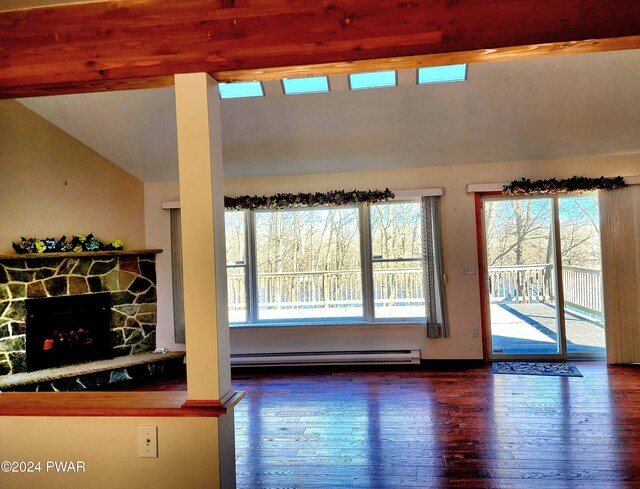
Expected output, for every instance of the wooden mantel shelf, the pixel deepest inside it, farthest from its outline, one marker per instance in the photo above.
(82, 254)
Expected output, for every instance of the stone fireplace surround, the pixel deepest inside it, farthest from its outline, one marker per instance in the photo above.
(129, 276)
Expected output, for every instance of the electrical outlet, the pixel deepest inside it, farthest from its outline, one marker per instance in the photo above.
(476, 333)
(148, 441)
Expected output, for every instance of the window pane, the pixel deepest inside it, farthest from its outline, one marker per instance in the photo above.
(305, 85)
(235, 231)
(396, 249)
(237, 293)
(582, 273)
(375, 79)
(441, 74)
(308, 264)
(397, 289)
(396, 231)
(240, 89)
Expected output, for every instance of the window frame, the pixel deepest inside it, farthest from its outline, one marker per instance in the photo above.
(366, 272)
(246, 265)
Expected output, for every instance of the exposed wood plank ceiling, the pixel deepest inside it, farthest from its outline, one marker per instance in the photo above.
(136, 43)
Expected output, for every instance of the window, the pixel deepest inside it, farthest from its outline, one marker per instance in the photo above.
(240, 90)
(442, 74)
(396, 256)
(308, 264)
(375, 79)
(236, 237)
(359, 264)
(326, 264)
(312, 84)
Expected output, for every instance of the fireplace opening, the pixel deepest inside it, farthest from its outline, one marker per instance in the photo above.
(68, 330)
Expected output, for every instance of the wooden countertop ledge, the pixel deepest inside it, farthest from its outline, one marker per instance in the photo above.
(131, 404)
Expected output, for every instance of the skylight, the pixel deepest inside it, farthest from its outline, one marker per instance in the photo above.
(240, 89)
(376, 79)
(312, 84)
(441, 74)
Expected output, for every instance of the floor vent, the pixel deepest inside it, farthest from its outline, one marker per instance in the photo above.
(375, 357)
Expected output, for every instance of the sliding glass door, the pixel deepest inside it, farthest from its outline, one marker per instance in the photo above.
(542, 277)
(579, 221)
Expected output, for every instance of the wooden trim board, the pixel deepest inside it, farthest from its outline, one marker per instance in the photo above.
(129, 404)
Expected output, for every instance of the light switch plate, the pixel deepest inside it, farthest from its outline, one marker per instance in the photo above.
(148, 441)
(468, 270)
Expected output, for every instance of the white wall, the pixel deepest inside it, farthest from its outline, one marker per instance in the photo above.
(459, 249)
(53, 185)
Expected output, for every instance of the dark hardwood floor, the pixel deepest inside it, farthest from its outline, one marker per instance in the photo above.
(382, 428)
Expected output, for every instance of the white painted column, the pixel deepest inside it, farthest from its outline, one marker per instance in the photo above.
(203, 256)
(203, 246)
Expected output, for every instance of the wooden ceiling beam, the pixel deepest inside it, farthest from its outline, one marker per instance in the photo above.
(136, 43)
(88, 86)
(414, 62)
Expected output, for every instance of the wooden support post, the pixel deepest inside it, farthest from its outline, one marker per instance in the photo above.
(202, 209)
(203, 255)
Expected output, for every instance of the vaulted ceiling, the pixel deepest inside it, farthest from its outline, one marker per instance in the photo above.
(552, 107)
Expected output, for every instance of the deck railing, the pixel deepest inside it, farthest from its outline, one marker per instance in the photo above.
(521, 284)
(403, 287)
(329, 289)
(583, 289)
(535, 284)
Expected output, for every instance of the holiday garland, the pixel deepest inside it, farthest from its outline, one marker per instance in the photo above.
(333, 198)
(554, 186)
(278, 201)
(77, 244)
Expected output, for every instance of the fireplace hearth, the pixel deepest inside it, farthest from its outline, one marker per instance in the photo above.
(68, 330)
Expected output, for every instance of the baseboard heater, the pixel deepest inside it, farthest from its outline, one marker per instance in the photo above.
(374, 357)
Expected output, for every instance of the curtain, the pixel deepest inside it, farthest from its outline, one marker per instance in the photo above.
(620, 241)
(176, 271)
(432, 281)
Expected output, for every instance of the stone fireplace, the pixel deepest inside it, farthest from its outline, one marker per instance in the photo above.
(69, 295)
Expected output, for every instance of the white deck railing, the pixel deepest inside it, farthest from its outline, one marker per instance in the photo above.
(403, 287)
(521, 284)
(535, 283)
(329, 289)
(583, 289)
